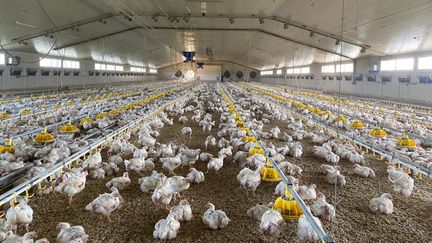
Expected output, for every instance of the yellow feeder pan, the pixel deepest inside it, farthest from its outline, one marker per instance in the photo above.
(44, 137)
(289, 208)
(326, 113)
(310, 108)
(25, 111)
(269, 173)
(86, 119)
(240, 123)
(378, 132)
(249, 139)
(357, 124)
(4, 115)
(340, 118)
(114, 113)
(57, 105)
(406, 142)
(69, 128)
(245, 129)
(89, 99)
(7, 147)
(317, 111)
(100, 116)
(69, 103)
(256, 150)
(237, 118)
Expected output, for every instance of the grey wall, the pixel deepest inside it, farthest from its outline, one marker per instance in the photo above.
(414, 91)
(8, 82)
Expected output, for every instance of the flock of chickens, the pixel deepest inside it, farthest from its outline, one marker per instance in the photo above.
(165, 187)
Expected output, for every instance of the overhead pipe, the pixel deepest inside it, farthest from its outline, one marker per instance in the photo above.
(209, 29)
(61, 28)
(284, 21)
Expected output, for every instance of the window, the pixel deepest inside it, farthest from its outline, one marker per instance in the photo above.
(290, 70)
(345, 68)
(405, 64)
(305, 70)
(279, 72)
(2, 59)
(110, 67)
(153, 70)
(137, 70)
(328, 69)
(46, 62)
(397, 64)
(71, 64)
(119, 68)
(297, 70)
(423, 63)
(268, 72)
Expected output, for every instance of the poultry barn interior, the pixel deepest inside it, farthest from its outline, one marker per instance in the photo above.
(215, 121)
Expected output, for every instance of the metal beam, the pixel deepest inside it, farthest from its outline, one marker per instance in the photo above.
(61, 28)
(215, 62)
(96, 38)
(209, 29)
(271, 18)
(260, 31)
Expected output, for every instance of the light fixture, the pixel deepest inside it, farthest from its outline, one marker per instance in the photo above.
(261, 20)
(155, 18)
(103, 21)
(337, 42)
(231, 20)
(363, 50)
(26, 25)
(312, 34)
(128, 18)
(286, 26)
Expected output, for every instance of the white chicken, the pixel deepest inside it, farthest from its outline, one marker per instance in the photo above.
(150, 183)
(210, 141)
(256, 212)
(323, 209)
(120, 183)
(171, 163)
(195, 176)
(166, 229)
(162, 195)
(382, 204)
(249, 179)
(70, 233)
(74, 184)
(215, 219)
(307, 192)
(305, 231)
(187, 131)
(139, 165)
(363, 171)
(20, 215)
(271, 224)
(92, 161)
(182, 212)
(215, 164)
(105, 203)
(336, 178)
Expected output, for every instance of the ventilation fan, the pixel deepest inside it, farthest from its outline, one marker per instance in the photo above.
(239, 75)
(227, 74)
(178, 74)
(253, 75)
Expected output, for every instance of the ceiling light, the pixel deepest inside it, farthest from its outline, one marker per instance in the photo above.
(363, 50)
(231, 20)
(103, 21)
(26, 25)
(128, 18)
(337, 42)
(261, 21)
(155, 18)
(286, 26)
(312, 34)
(75, 28)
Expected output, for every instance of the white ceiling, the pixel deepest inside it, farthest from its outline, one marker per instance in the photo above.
(389, 26)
